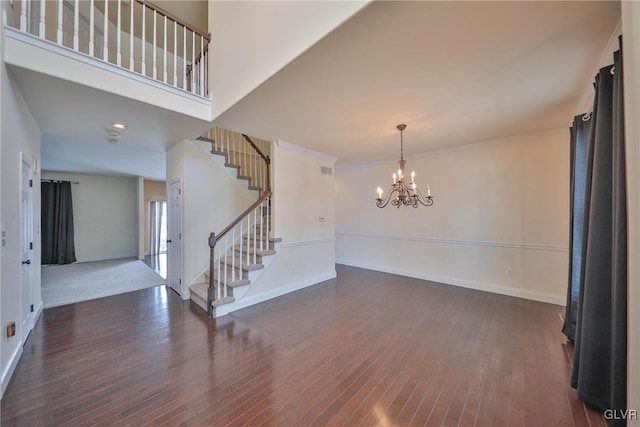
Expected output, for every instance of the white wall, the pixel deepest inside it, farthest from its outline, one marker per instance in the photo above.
(631, 46)
(21, 135)
(104, 215)
(301, 195)
(211, 198)
(499, 222)
(246, 53)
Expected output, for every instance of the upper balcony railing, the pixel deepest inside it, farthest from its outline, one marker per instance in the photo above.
(135, 35)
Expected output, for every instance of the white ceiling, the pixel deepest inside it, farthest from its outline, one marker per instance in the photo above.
(74, 121)
(454, 72)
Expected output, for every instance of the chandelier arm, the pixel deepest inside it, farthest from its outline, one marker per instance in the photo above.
(425, 201)
(381, 203)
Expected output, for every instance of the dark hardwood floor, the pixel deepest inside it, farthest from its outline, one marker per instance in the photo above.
(364, 349)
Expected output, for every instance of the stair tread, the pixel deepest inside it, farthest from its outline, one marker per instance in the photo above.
(263, 252)
(239, 281)
(241, 264)
(271, 239)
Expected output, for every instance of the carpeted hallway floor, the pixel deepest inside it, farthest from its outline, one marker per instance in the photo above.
(66, 284)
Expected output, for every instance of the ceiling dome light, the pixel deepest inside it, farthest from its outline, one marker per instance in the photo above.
(119, 126)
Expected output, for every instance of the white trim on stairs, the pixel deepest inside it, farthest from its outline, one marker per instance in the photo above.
(307, 242)
(249, 301)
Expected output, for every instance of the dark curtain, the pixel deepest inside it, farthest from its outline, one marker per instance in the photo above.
(600, 352)
(579, 153)
(57, 223)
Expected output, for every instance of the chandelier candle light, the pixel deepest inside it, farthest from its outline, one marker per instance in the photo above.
(402, 193)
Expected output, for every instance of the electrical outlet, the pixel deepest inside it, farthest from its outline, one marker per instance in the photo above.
(11, 329)
(510, 272)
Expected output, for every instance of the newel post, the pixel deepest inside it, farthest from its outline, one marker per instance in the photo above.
(211, 294)
(268, 161)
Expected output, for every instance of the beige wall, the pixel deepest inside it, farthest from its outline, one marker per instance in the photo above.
(104, 213)
(302, 195)
(499, 222)
(153, 190)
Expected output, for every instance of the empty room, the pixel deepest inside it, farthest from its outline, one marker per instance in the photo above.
(353, 213)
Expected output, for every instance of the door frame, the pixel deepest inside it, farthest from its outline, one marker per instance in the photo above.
(27, 319)
(183, 293)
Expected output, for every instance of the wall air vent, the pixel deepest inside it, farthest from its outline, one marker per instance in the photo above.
(326, 170)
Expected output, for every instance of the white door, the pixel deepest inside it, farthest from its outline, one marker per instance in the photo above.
(26, 247)
(174, 242)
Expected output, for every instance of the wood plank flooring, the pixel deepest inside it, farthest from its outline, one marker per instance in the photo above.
(364, 349)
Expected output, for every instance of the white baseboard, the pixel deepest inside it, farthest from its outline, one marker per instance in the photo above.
(518, 293)
(256, 299)
(38, 313)
(106, 257)
(11, 366)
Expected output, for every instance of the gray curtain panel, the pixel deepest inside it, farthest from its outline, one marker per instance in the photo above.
(600, 352)
(580, 132)
(57, 223)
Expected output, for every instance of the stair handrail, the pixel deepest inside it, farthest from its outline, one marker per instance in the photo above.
(213, 238)
(266, 159)
(250, 209)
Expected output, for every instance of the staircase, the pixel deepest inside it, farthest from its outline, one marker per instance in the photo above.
(240, 252)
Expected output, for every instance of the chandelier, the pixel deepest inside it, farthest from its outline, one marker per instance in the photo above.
(402, 193)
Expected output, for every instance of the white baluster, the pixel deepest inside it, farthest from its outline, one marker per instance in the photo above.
(184, 58)
(164, 66)
(235, 148)
(23, 15)
(255, 235)
(248, 242)
(59, 32)
(76, 25)
(219, 281)
(155, 36)
(42, 12)
(175, 53)
(105, 52)
(261, 227)
(193, 61)
(143, 66)
(241, 239)
(226, 275)
(268, 223)
(92, 30)
(119, 35)
(244, 156)
(131, 34)
(201, 66)
(233, 259)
